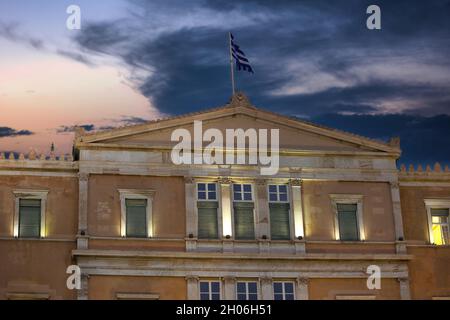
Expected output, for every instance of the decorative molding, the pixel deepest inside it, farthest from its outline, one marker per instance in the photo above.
(303, 281)
(189, 180)
(295, 182)
(224, 180)
(261, 182)
(83, 176)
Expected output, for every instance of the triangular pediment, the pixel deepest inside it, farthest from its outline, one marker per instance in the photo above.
(239, 114)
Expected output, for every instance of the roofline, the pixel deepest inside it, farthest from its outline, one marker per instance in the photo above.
(237, 108)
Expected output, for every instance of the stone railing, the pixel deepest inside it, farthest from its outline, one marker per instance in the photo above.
(32, 155)
(437, 168)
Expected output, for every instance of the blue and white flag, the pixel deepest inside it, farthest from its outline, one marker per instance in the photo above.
(242, 62)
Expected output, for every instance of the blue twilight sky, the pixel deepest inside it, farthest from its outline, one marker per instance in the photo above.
(134, 60)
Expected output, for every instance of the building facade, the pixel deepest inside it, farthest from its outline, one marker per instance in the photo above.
(140, 226)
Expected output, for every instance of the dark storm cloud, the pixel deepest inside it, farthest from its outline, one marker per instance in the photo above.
(310, 57)
(66, 129)
(10, 132)
(424, 140)
(126, 120)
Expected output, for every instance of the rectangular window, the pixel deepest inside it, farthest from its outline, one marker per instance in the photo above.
(243, 209)
(278, 193)
(29, 218)
(207, 206)
(242, 192)
(207, 220)
(348, 222)
(247, 290)
(279, 212)
(440, 226)
(136, 218)
(283, 291)
(209, 290)
(206, 191)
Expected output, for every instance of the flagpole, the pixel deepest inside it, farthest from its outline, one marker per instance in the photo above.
(231, 63)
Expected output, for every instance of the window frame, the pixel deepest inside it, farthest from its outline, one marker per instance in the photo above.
(348, 199)
(219, 207)
(206, 191)
(245, 201)
(209, 281)
(288, 201)
(436, 204)
(283, 282)
(30, 195)
(278, 193)
(144, 194)
(258, 289)
(242, 192)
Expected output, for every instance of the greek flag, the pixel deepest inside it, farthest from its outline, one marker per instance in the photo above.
(242, 62)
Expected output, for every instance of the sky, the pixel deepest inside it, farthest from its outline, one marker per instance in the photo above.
(136, 60)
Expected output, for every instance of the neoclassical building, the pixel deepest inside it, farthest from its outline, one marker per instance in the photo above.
(140, 226)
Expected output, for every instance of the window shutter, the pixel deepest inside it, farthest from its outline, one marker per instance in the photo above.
(29, 218)
(279, 221)
(207, 220)
(348, 222)
(439, 212)
(244, 227)
(136, 217)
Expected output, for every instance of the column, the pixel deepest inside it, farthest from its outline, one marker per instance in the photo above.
(225, 204)
(192, 288)
(397, 211)
(83, 184)
(297, 209)
(229, 288)
(266, 288)
(262, 222)
(405, 293)
(302, 288)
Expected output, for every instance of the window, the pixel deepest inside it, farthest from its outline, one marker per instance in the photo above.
(242, 192)
(209, 290)
(136, 218)
(136, 213)
(283, 291)
(278, 193)
(348, 222)
(348, 217)
(439, 226)
(29, 216)
(438, 220)
(206, 191)
(247, 290)
(279, 212)
(243, 208)
(207, 205)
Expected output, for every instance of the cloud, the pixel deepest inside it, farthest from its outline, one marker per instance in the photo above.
(66, 129)
(424, 140)
(11, 31)
(127, 120)
(10, 132)
(76, 56)
(310, 57)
